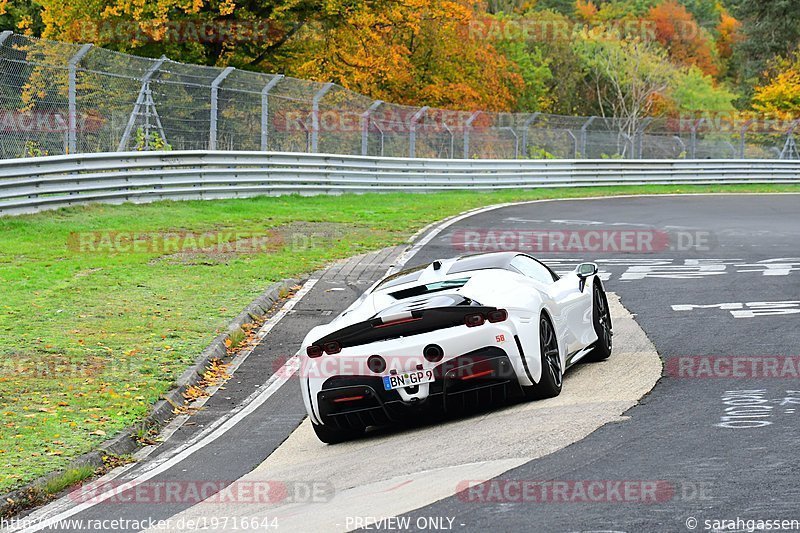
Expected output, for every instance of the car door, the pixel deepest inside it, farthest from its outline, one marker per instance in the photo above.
(571, 307)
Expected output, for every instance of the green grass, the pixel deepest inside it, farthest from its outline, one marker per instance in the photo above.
(89, 341)
(68, 478)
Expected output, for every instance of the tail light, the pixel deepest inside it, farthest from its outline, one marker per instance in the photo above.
(473, 320)
(332, 347)
(314, 351)
(498, 315)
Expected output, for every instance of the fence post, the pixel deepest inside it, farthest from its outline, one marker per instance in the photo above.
(452, 139)
(530, 120)
(583, 136)
(365, 118)
(789, 150)
(742, 132)
(315, 116)
(265, 110)
(516, 140)
(140, 100)
(383, 136)
(72, 95)
(680, 143)
(467, 127)
(412, 133)
(5, 35)
(574, 144)
(212, 129)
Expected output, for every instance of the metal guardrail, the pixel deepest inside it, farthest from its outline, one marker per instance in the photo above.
(34, 184)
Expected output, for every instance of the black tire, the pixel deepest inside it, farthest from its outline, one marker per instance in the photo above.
(601, 319)
(552, 378)
(331, 435)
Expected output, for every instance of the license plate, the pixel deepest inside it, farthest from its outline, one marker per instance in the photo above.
(407, 379)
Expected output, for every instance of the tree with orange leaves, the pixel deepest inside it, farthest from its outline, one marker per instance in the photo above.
(687, 43)
(418, 51)
(728, 34)
(405, 51)
(585, 10)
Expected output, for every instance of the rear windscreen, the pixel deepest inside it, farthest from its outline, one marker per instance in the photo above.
(428, 288)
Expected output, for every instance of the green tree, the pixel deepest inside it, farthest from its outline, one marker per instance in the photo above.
(628, 75)
(693, 91)
(534, 68)
(771, 28)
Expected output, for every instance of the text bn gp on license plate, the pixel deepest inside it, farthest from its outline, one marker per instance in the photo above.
(407, 379)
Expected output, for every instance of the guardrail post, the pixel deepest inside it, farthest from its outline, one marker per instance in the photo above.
(583, 136)
(530, 120)
(265, 110)
(365, 120)
(467, 128)
(141, 99)
(212, 129)
(72, 97)
(412, 131)
(315, 116)
(742, 132)
(5, 35)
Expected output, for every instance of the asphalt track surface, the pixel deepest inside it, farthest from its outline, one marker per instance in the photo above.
(713, 452)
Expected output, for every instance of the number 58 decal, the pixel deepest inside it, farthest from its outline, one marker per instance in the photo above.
(500, 338)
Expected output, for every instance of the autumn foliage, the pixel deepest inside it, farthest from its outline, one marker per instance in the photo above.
(687, 43)
(497, 55)
(780, 96)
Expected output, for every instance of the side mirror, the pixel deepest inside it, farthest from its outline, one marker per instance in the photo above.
(585, 270)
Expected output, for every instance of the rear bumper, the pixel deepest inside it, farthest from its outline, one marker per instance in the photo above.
(471, 381)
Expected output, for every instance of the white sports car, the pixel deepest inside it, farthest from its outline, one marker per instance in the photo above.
(454, 334)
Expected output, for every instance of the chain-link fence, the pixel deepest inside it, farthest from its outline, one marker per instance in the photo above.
(58, 98)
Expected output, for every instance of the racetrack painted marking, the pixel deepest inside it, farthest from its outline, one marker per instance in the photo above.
(748, 309)
(213, 432)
